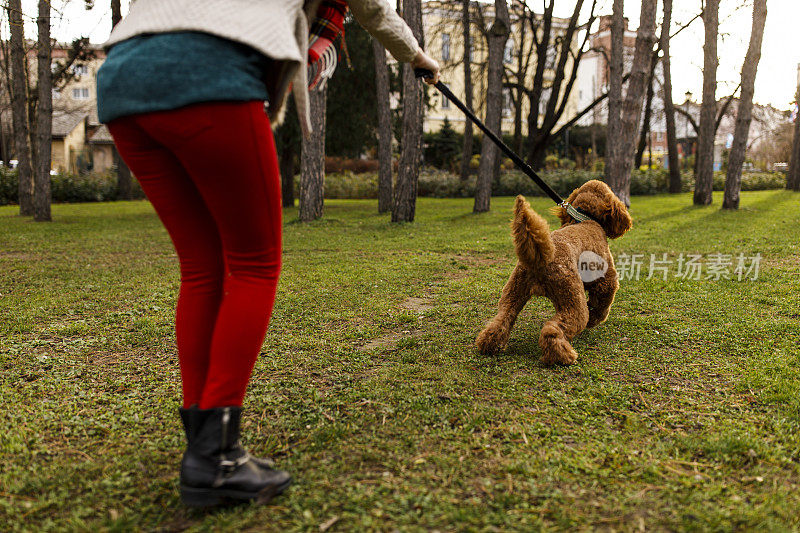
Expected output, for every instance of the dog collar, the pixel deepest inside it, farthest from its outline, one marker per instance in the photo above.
(577, 214)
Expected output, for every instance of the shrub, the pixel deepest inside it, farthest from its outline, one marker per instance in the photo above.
(9, 187)
(551, 162)
(443, 148)
(69, 188)
(753, 181)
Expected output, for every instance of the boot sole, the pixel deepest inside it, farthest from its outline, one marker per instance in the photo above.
(200, 497)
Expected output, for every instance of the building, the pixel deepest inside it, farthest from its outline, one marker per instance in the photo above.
(444, 42)
(75, 122)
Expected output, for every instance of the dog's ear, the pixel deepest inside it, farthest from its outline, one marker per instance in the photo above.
(616, 219)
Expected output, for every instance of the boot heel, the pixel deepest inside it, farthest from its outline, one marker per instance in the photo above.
(192, 497)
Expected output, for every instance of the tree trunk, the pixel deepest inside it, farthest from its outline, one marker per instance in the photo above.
(498, 34)
(41, 178)
(384, 128)
(744, 114)
(466, 148)
(19, 106)
(405, 194)
(669, 106)
(312, 159)
(124, 179)
(793, 178)
(631, 115)
(615, 67)
(287, 176)
(644, 135)
(708, 109)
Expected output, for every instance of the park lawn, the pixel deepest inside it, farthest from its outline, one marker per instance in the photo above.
(683, 412)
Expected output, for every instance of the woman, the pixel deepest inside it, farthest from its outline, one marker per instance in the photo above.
(183, 92)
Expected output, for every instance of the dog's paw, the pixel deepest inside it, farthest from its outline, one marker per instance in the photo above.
(595, 321)
(556, 350)
(491, 341)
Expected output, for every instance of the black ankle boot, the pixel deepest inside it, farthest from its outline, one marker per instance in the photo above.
(215, 467)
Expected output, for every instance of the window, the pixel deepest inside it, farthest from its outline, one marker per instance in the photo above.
(544, 100)
(80, 70)
(56, 94)
(550, 61)
(445, 103)
(508, 103)
(508, 52)
(445, 47)
(80, 93)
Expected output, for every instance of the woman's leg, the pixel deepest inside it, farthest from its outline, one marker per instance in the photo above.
(194, 234)
(232, 162)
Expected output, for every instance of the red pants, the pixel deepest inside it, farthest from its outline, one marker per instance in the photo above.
(211, 173)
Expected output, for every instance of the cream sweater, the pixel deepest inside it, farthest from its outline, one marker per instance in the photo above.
(277, 28)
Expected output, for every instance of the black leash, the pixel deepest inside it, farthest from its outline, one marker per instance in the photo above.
(574, 212)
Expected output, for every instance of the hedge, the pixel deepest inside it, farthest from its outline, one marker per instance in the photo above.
(102, 187)
(69, 188)
(442, 184)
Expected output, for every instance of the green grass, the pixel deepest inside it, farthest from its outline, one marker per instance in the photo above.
(683, 412)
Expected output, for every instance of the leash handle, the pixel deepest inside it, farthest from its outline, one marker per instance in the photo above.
(525, 167)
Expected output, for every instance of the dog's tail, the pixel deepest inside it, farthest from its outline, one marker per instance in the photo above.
(531, 235)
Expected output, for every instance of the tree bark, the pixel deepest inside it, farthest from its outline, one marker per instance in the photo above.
(466, 147)
(615, 67)
(19, 107)
(312, 159)
(41, 178)
(124, 178)
(287, 176)
(384, 128)
(708, 109)
(631, 116)
(744, 114)
(405, 194)
(498, 34)
(793, 178)
(669, 106)
(648, 112)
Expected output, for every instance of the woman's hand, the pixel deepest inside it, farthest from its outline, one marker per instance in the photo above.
(423, 60)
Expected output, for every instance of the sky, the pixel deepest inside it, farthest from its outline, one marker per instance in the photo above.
(777, 72)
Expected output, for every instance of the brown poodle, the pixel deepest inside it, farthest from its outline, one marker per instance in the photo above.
(548, 266)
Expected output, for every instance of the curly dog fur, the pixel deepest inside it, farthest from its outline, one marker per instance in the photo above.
(548, 266)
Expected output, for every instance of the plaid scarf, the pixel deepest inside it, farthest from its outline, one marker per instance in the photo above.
(326, 27)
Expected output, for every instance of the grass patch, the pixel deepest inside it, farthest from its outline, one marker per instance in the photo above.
(683, 412)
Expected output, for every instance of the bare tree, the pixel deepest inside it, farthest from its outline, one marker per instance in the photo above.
(615, 67)
(548, 102)
(466, 148)
(498, 34)
(384, 128)
(744, 113)
(19, 107)
(620, 160)
(793, 178)
(44, 115)
(312, 158)
(669, 106)
(706, 133)
(405, 193)
(644, 132)
(124, 179)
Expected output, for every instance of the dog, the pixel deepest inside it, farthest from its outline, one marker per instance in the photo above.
(563, 266)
